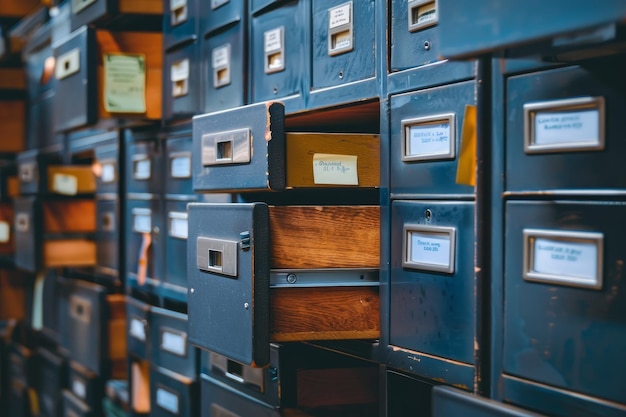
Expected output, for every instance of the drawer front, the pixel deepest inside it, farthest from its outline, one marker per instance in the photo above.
(560, 120)
(172, 394)
(180, 22)
(216, 14)
(175, 277)
(142, 168)
(28, 229)
(50, 306)
(224, 65)
(432, 278)
(279, 53)
(107, 237)
(85, 385)
(449, 401)
(169, 339)
(414, 33)
(74, 407)
(84, 12)
(343, 42)
(566, 257)
(138, 328)
(110, 172)
(181, 95)
(220, 400)
(426, 130)
(178, 166)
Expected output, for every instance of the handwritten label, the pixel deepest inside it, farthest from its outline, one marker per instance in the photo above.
(124, 83)
(143, 169)
(180, 70)
(430, 248)
(108, 173)
(79, 388)
(221, 56)
(339, 16)
(5, 232)
(181, 167)
(566, 259)
(429, 140)
(273, 40)
(342, 40)
(335, 169)
(65, 184)
(174, 343)
(167, 400)
(137, 329)
(179, 227)
(142, 223)
(567, 127)
(427, 14)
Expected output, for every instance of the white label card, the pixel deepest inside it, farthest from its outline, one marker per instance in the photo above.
(142, 223)
(181, 167)
(124, 83)
(339, 16)
(174, 343)
(567, 127)
(221, 56)
(67, 64)
(430, 248)
(137, 329)
(273, 40)
(180, 70)
(179, 228)
(108, 173)
(427, 13)
(335, 169)
(142, 169)
(79, 388)
(177, 4)
(65, 184)
(566, 259)
(167, 400)
(5, 232)
(429, 139)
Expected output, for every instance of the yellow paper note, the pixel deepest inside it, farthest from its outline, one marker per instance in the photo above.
(466, 169)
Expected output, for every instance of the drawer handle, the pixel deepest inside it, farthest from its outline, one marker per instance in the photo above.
(68, 64)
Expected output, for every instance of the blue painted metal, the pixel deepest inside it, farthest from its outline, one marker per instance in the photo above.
(108, 156)
(185, 390)
(185, 104)
(51, 375)
(448, 401)
(221, 398)
(108, 233)
(180, 26)
(432, 75)
(568, 337)
(166, 325)
(108, 13)
(176, 160)
(27, 251)
(216, 14)
(138, 329)
(428, 177)
(174, 285)
(91, 384)
(143, 162)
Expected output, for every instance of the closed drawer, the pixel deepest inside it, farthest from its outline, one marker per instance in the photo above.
(85, 12)
(52, 378)
(173, 394)
(170, 343)
(138, 323)
(180, 22)
(108, 238)
(143, 162)
(216, 14)
(178, 165)
(109, 171)
(174, 284)
(181, 78)
(144, 244)
(84, 384)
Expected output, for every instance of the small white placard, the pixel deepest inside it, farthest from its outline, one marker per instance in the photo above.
(566, 259)
(174, 343)
(179, 227)
(339, 16)
(567, 127)
(181, 167)
(430, 248)
(180, 70)
(79, 388)
(335, 169)
(221, 56)
(427, 13)
(142, 223)
(65, 184)
(429, 139)
(124, 83)
(142, 169)
(167, 400)
(67, 64)
(177, 4)
(5, 232)
(273, 40)
(108, 173)
(137, 329)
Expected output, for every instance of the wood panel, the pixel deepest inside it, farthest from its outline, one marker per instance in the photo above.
(301, 148)
(12, 79)
(17, 8)
(117, 334)
(324, 313)
(69, 252)
(69, 216)
(140, 6)
(12, 294)
(337, 386)
(12, 120)
(305, 237)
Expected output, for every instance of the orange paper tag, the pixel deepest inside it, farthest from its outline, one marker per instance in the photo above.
(142, 264)
(466, 169)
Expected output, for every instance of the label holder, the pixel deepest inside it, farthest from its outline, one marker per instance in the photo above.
(182, 336)
(340, 32)
(180, 165)
(408, 124)
(178, 219)
(167, 399)
(231, 147)
(67, 64)
(449, 233)
(220, 61)
(274, 50)
(139, 216)
(217, 256)
(422, 14)
(179, 12)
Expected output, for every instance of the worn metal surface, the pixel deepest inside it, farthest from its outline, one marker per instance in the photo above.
(448, 401)
(170, 346)
(223, 400)
(216, 14)
(180, 25)
(181, 95)
(173, 394)
(138, 329)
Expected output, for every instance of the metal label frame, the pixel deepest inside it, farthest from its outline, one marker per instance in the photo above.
(163, 388)
(180, 84)
(177, 215)
(137, 159)
(143, 323)
(269, 69)
(80, 5)
(447, 231)
(80, 309)
(528, 273)
(144, 212)
(27, 172)
(22, 222)
(228, 254)
(339, 29)
(221, 68)
(413, 6)
(67, 64)
(179, 12)
(110, 162)
(108, 221)
(179, 155)
(225, 148)
(564, 105)
(406, 126)
(175, 332)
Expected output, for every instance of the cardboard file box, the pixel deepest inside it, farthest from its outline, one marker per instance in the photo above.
(103, 75)
(54, 233)
(282, 274)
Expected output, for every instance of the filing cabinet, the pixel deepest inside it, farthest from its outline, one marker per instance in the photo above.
(143, 159)
(565, 256)
(85, 12)
(322, 287)
(174, 285)
(177, 161)
(50, 305)
(50, 382)
(72, 406)
(228, 155)
(108, 244)
(172, 393)
(216, 14)
(138, 324)
(7, 231)
(114, 76)
(169, 339)
(84, 384)
(449, 401)
(42, 173)
(426, 129)
(181, 95)
(219, 399)
(93, 329)
(279, 54)
(180, 22)
(54, 233)
(108, 168)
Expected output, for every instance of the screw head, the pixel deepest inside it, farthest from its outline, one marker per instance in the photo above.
(246, 306)
(292, 278)
(427, 45)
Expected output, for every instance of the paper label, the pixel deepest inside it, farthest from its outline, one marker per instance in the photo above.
(5, 232)
(142, 169)
(342, 40)
(430, 248)
(339, 16)
(567, 127)
(137, 329)
(179, 228)
(177, 4)
(273, 40)
(108, 173)
(167, 400)
(429, 139)
(427, 13)
(180, 70)
(67, 64)
(567, 259)
(79, 388)
(65, 184)
(173, 343)
(181, 167)
(217, 3)
(124, 83)
(335, 169)
(142, 223)
(221, 56)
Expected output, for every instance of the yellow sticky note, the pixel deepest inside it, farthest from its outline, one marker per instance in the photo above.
(466, 169)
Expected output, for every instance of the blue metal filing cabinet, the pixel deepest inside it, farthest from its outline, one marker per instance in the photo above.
(173, 394)
(138, 328)
(143, 160)
(448, 401)
(219, 399)
(51, 380)
(121, 12)
(84, 384)
(181, 77)
(426, 128)
(108, 238)
(180, 22)
(217, 14)
(108, 160)
(279, 53)
(177, 164)
(171, 348)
